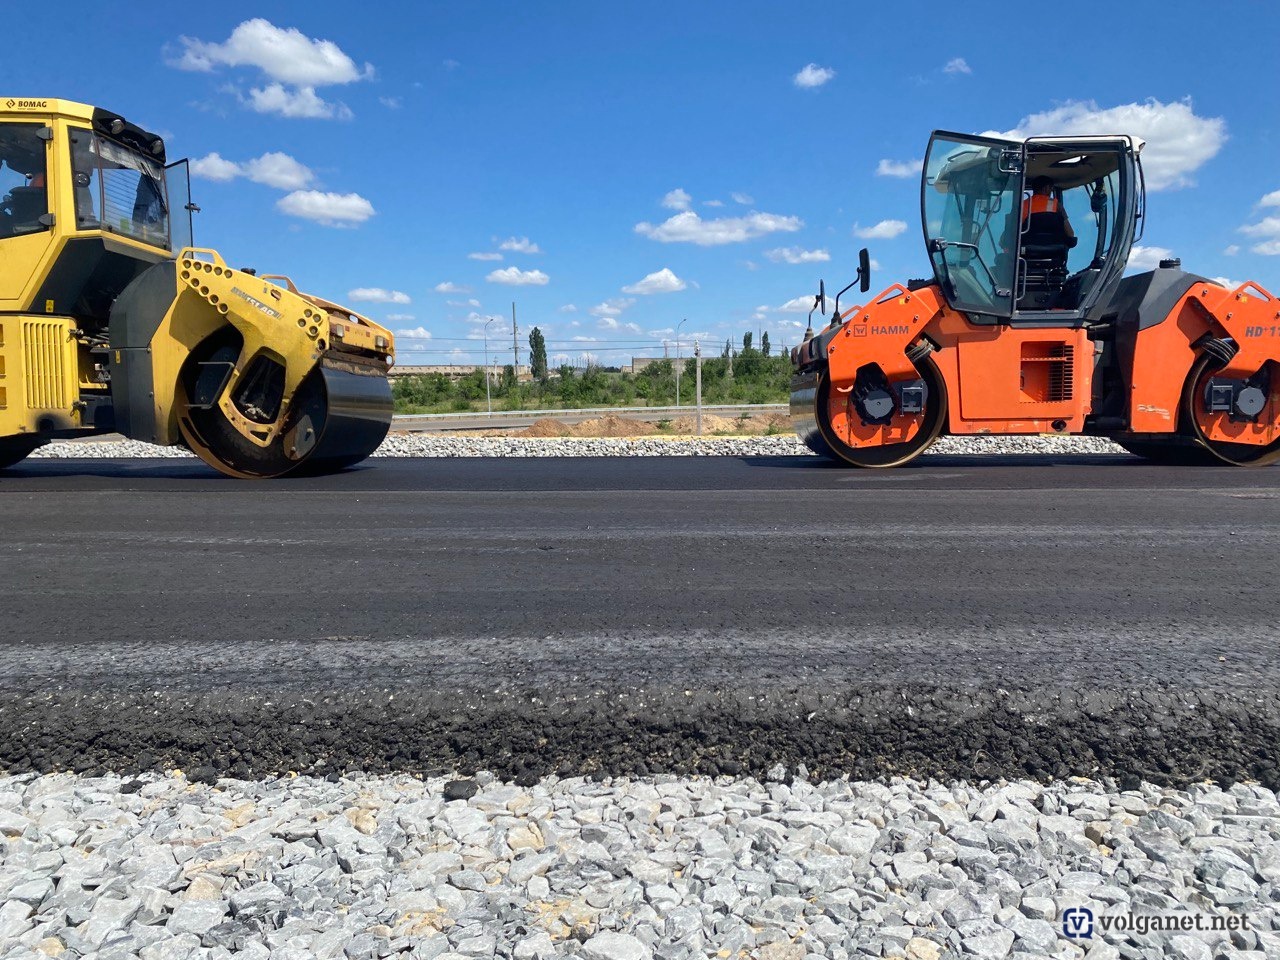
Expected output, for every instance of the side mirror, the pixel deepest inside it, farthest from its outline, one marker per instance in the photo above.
(819, 304)
(864, 269)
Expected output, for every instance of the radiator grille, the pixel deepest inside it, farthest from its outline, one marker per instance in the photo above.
(44, 355)
(1048, 372)
(1061, 375)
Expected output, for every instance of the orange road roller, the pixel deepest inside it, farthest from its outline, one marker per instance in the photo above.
(1029, 324)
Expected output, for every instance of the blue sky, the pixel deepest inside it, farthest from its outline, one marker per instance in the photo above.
(633, 165)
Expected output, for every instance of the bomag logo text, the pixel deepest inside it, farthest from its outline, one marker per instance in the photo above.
(27, 104)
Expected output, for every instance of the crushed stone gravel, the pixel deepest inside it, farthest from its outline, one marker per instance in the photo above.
(662, 868)
(428, 445)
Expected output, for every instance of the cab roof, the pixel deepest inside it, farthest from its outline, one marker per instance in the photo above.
(105, 122)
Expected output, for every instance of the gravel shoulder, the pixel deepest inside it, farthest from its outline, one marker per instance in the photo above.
(624, 869)
(430, 445)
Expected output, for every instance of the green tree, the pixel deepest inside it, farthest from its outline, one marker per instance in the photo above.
(746, 341)
(471, 386)
(538, 355)
(764, 343)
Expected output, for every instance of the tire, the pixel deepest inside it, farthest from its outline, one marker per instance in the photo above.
(13, 450)
(895, 454)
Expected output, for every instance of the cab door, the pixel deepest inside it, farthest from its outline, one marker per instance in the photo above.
(969, 202)
(177, 181)
(26, 210)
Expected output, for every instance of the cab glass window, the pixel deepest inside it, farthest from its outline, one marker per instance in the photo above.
(118, 189)
(971, 195)
(24, 199)
(1091, 210)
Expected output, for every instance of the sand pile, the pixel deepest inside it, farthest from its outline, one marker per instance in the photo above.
(546, 427)
(611, 427)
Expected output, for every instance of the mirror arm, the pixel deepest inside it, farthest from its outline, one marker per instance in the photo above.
(835, 314)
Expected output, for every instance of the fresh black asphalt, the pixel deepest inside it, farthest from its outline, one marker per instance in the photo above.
(968, 617)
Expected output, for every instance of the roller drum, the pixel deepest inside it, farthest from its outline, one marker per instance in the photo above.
(804, 413)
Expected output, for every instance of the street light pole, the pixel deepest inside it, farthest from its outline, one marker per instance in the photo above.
(697, 392)
(488, 396)
(678, 326)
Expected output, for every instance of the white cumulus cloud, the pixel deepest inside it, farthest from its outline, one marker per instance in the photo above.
(1267, 227)
(813, 76)
(801, 304)
(278, 170)
(1178, 141)
(284, 54)
(611, 308)
(1231, 250)
(327, 209)
(1267, 232)
(797, 255)
(484, 256)
(399, 318)
(1148, 258)
(213, 167)
(377, 295)
(294, 63)
(1272, 199)
(448, 286)
(515, 277)
(660, 281)
(688, 227)
(957, 65)
(899, 168)
(518, 245)
(743, 198)
(884, 230)
(414, 333)
(273, 169)
(677, 199)
(296, 103)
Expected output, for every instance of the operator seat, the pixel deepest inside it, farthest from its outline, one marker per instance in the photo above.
(25, 206)
(1044, 246)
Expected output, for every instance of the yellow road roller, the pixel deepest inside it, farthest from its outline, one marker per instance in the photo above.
(112, 321)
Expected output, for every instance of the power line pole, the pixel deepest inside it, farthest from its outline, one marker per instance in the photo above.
(679, 364)
(515, 340)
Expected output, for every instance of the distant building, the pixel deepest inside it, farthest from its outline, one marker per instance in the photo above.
(456, 371)
(639, 363)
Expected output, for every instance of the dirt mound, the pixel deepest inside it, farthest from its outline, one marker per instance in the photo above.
(611, 427)
(710, 424)
(546, 427)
